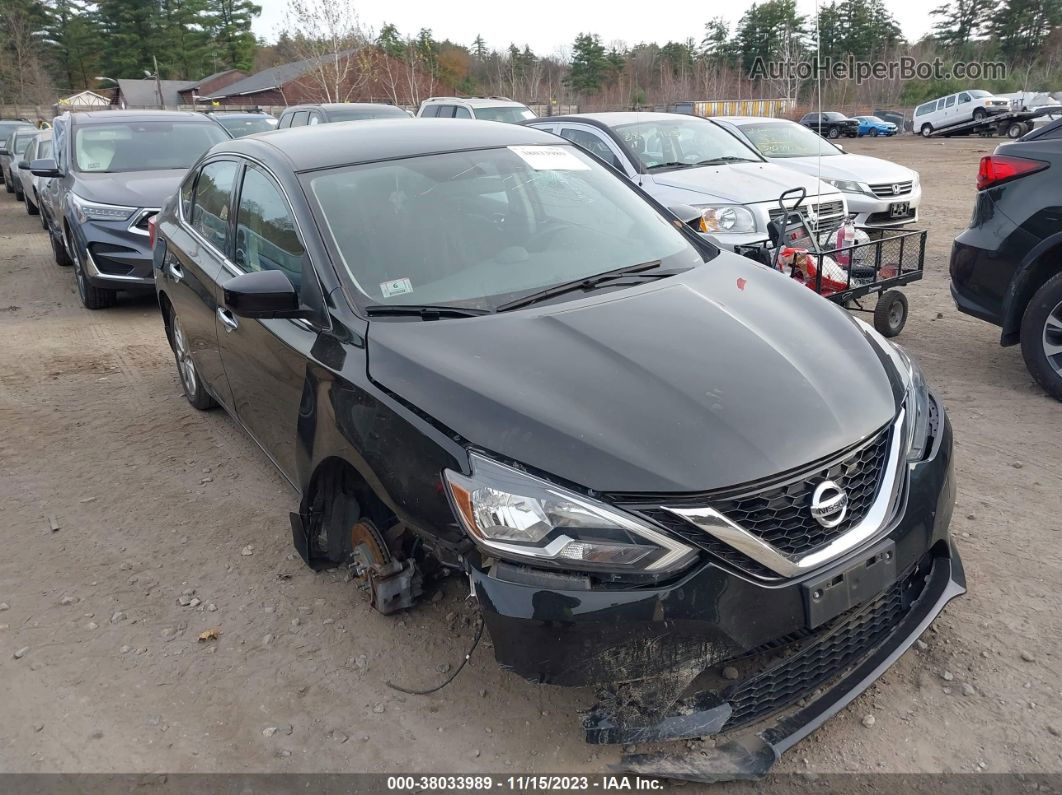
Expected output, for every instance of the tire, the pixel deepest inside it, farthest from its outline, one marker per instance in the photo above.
(191, 383)
(91, 297)
(62, 259)
(890, 314)
(874, 132)
(1041, 336)
(19, 195)
(833, 132)
(1015, 130)
(31, 208)
(979, 114)
(7, 185)
(927, 130)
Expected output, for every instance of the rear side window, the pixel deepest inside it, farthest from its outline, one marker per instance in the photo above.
(950, 101)
(44, 148)
(461, 112)
(265, 228)
(445, 111)
(429, 111)
(298, 119)
(210, 207)
(592, 144)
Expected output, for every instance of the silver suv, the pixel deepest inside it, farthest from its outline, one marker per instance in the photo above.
(488, 108)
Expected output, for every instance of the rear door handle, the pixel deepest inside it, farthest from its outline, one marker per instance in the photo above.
(229, 319)
(176, 271)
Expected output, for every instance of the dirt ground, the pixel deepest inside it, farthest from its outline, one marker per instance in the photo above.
(158, 504)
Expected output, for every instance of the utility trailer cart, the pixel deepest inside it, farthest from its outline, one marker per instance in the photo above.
(1011, 125)
(879, 266)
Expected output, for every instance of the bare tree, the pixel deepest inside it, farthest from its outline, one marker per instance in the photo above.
(330, 33)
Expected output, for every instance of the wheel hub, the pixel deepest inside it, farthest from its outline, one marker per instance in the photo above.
(1052, 338)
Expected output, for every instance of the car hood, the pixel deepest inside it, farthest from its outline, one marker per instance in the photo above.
(129, 188)
(723, 375)
(739, 183)
(857, 168)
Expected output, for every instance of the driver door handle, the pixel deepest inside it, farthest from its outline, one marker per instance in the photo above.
(176, 271)
(230, 320)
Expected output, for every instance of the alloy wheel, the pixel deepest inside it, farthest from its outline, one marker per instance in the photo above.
(184, 358)
(1052, 338)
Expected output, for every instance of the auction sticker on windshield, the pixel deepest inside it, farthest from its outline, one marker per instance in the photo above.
(396, 287)
(549, 158)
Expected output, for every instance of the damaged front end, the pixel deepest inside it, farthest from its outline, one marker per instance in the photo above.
(727, 648)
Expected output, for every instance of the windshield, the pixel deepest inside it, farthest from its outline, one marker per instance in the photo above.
(668, 144)
(359, 114)
(479, 228)
(787, 139)
(22, 141)
(872, 119)
(44, 148)
(143, 146)
(510, 114)
(978, 94)
(242, 125)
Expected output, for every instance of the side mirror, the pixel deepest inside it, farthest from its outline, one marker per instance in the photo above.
(24, 165)
(262, 294)
(841, 148)
(684, 212)
(4, 151)
(45, 167)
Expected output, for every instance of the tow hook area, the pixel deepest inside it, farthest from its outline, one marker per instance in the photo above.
(392, 584)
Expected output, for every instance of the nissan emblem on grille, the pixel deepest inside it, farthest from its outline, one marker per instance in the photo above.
(829, 504)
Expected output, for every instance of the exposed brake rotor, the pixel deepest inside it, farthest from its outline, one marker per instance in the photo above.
(368, 551)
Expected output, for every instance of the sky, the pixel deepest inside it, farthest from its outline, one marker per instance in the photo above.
(548, 26)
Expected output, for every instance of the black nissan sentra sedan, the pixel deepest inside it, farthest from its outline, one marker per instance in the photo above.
(666, 471)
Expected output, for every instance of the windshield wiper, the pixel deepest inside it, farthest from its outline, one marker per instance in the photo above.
(673, 164)
(423, 311)
(590, 282)
(715, 161)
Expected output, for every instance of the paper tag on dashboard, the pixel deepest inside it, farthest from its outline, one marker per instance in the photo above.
(396, 287)
(549, 158)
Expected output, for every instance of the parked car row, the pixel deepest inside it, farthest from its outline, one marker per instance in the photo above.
(493, 350)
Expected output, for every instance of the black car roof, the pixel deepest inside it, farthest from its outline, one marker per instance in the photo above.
(112, 116)
(343, 143)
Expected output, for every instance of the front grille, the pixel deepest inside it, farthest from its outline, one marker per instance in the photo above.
(709, 543)
(781, 515)
(832, 649)
(889, 189)
(827, 214)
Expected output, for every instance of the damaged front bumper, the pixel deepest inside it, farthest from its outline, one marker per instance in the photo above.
(721, 651)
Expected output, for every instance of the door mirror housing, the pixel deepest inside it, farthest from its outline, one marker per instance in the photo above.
(685, 213)
(23, 165)
(4, 151)
(263, 294)
(45, 167)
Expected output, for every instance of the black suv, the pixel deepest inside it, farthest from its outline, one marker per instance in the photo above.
(474, 347)
(112, 171)
(309, 115)
(1006, 268)
(831, 124)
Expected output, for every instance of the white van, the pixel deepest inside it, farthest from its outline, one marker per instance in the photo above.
(957, 109)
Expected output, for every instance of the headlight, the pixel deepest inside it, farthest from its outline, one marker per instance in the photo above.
(93, 211)
(916, 419)
(848, 186)
(727, 219)
(518, 517)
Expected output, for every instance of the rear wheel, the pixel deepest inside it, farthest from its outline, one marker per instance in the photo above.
(1015, 130)
(927, 130)
(1041, 336)
(834, 132)
(890, 314)
(91, 297)
(182, 354)
(7, 184)
(19, 195)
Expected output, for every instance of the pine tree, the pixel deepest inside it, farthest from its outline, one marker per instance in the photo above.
(72, 34)
(961, 21)
(589, 64)
(229, 26)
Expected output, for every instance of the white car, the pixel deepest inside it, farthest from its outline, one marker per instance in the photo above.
(957, 109)
(698, 164)
(33, 187)
(879, 192)
(486, 108)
